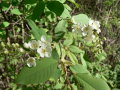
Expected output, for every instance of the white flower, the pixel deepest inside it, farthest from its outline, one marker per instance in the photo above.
(21, 49)
(95, 25)
(87, 30)
(44, 51)
(93, 36)
(76, 28)
(34, 44)
(31, 62)
(98, 31)
(84, 33)
(27, 45)
(45, 42)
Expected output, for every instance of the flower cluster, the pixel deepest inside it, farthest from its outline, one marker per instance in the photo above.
(43, 48)
(87, 31)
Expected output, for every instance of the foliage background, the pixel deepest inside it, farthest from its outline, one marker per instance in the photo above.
(14, 29)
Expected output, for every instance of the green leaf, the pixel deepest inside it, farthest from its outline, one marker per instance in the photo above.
(101, 56)
(115, 89)
(68, 39)
(65, 14)
(4, 6)
(81, 18)
(56, 7)
(56, 75)
(82, 59)
(72, 57)
(59, 36)
(58, 86)
(61, 26)
(55, 54)
(67, 7)
(1, 59)
(37, 32)
(58, 48)
(88, 43)
(91, 83)
(68, 42)
(50, 16)
(74, 86)
(62, 1)
(14, 2)
(44, 70)
(6, 24)
(78, 68)
(30, 1)
(75, 49)
(16, 11)
(38, 10)
(72, 1)
(2, 34)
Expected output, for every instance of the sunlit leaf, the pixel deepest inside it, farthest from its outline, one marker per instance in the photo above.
(16, 11)
(6, 24)
(61, 26)
(36, 31)
(78, 68)
(91, 83)
(81, 18)
(75, 49)
(72, 57)
(45, 69)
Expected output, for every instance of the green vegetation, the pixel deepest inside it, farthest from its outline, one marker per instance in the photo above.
(59, 45)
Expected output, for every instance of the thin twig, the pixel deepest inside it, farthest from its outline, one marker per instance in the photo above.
(23, 32)
(8, 9)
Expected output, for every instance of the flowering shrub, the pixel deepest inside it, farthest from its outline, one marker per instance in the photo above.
(57, 47)
(57, 55)
(42, 46)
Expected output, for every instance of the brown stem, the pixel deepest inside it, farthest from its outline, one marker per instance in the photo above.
(67, 81)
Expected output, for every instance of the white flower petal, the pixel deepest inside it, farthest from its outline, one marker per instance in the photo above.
(43, 38)
(27, 45)
(45, 51)
(34, 44)
(76, 27)
(84, 33)
(47, 54)
(91, 22)
(93, 36)
(21, 49)
(94, 24)
(41, 52)
(42, 55)
(98, 31)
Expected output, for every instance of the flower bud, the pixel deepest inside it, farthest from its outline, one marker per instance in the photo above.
(2, 44)
(31, 62)
(21, 50)
(6, 51)
(13, 45)
(8, 44)
(17, 45)
(26, 45)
